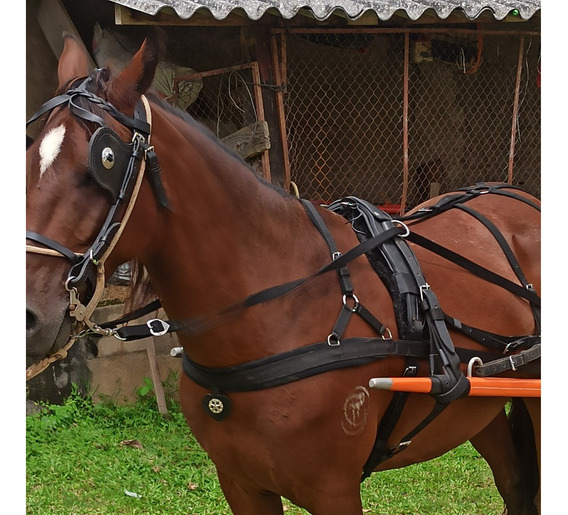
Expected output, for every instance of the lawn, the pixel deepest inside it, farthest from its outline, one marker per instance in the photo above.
(101, 458)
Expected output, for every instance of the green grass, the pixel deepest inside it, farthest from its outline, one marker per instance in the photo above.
(84, 458)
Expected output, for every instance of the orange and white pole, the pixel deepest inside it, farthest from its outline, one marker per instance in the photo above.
(479, 386)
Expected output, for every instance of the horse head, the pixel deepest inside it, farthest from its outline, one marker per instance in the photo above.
(72, 206)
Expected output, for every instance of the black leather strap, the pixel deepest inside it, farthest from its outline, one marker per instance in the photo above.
(52, 244)
(192, 327)
(299, 363)
(479, 270)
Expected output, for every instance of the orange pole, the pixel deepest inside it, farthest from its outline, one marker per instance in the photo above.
(479, 386)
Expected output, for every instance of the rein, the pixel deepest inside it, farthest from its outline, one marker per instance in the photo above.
(89, 266)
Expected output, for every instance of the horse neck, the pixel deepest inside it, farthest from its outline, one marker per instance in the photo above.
(229, 233)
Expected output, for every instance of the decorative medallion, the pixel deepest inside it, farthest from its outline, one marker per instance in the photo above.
(107, 158)
(216, 405)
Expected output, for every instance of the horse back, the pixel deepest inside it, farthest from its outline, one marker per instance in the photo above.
(465, 231)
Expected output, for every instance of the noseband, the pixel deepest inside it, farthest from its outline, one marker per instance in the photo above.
(118, 168)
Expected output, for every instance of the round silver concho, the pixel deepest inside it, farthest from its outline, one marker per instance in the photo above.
(107, 158)
(216, 406)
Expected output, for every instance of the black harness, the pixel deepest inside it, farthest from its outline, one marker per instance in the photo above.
(422, 325)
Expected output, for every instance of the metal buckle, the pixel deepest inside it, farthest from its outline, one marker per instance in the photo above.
(355, 300)
(138, 138)
(424, 287)
(161, 332)
(333, 340)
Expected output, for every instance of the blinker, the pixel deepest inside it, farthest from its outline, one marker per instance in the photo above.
(107, 151)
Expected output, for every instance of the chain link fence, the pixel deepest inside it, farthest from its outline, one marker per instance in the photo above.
(396, 117)
(230, 105)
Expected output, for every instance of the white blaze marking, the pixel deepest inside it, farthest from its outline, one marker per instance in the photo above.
(50, 147)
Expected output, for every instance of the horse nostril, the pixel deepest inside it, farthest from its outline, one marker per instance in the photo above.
(31, 321)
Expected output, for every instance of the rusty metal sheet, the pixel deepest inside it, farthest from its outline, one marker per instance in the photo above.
(353, 9)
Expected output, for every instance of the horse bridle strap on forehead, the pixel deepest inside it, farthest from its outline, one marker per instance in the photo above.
(106, 151)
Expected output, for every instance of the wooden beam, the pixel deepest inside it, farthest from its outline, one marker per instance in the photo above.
(260, 116)
(249, 141)
(54, 20)
(256, 47)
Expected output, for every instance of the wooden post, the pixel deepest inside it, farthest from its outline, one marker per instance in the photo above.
(256, 47)
(260, 116)
(156, 378)
(280, 109)
(405, 125)
(515, 110)
(154, 370)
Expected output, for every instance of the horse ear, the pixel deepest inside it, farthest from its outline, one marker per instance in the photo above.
(136, 78)
(74, 61)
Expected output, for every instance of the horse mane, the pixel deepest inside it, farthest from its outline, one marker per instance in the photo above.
(202, 129)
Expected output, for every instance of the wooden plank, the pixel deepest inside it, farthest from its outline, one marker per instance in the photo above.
(54, 20)
(260, 116)
(156, 378)
(249, 141)
(434, 189)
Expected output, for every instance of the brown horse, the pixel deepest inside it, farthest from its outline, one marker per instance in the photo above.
(210, 233)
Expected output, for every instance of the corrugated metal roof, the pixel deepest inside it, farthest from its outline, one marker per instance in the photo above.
(353, 9)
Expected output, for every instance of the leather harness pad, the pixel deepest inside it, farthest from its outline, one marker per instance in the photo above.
(107, 148)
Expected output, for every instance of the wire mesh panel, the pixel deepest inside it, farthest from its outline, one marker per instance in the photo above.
(344, 136)
(228, 104)
(347, 92)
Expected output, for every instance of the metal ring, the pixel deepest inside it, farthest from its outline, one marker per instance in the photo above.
(117, 336)
(355, 300)
(407, 230)
(72, 288)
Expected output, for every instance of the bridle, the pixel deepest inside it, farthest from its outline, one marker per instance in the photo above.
(117, 167)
